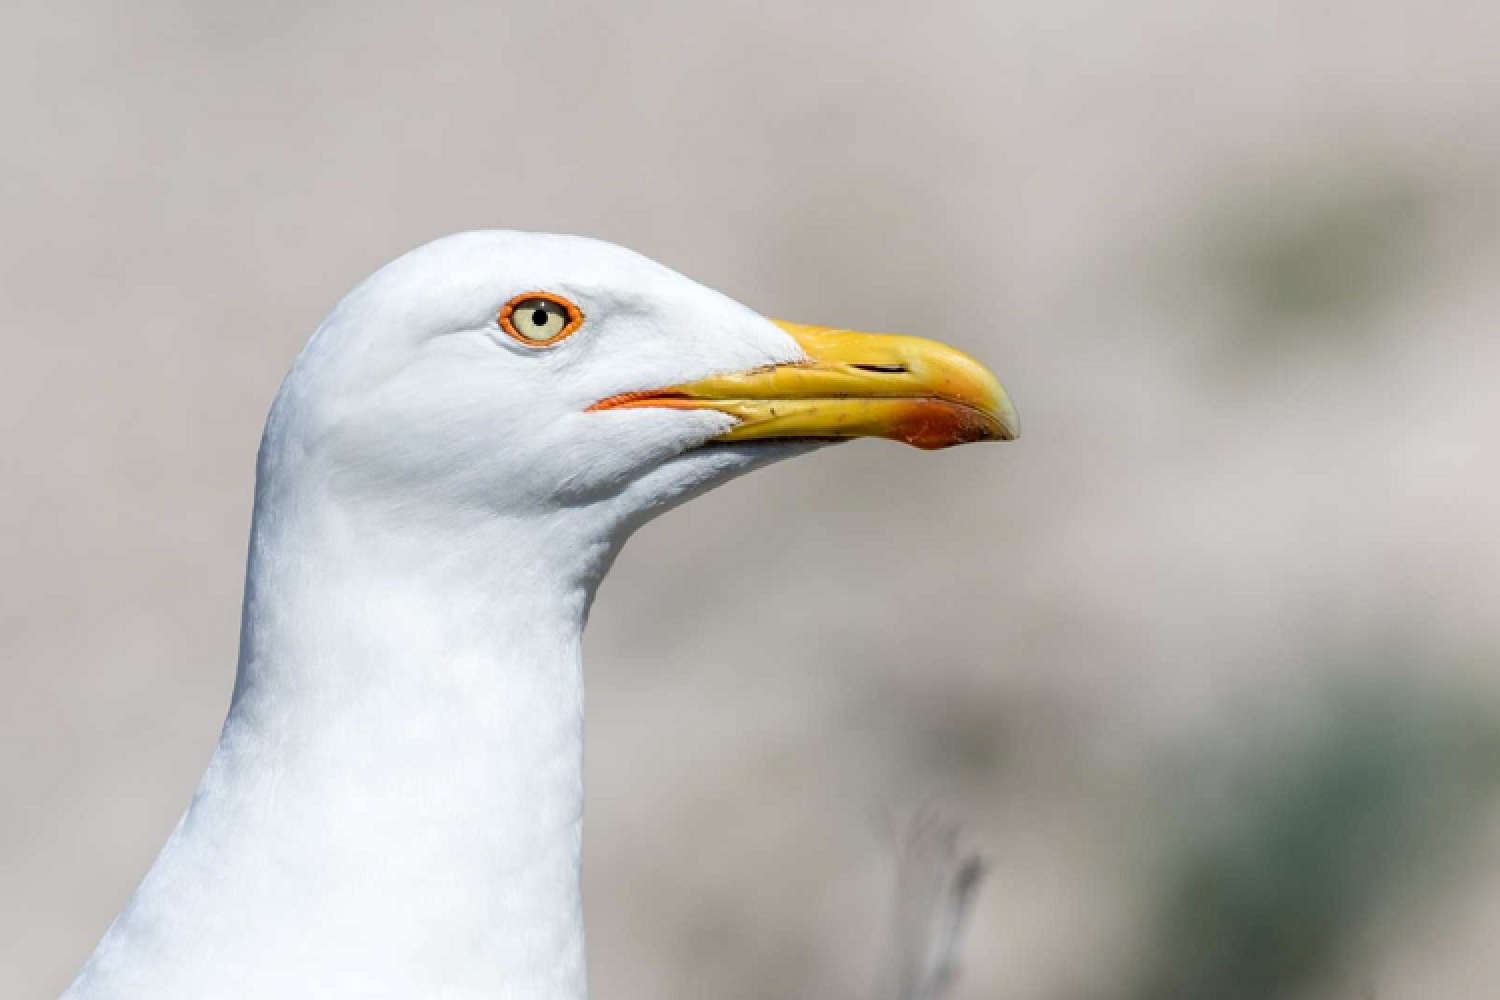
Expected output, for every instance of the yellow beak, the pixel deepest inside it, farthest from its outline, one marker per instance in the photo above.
(852, 385)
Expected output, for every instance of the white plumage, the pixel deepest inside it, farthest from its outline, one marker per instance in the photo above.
(394, 808)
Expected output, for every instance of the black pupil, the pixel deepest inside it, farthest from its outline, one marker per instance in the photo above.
(539, 316)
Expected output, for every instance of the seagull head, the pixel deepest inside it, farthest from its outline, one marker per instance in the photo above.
(525, 375)
(445, 476)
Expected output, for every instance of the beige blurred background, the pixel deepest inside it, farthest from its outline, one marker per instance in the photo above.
(1206, 662)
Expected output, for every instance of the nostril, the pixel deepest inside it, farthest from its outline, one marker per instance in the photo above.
(883, 369)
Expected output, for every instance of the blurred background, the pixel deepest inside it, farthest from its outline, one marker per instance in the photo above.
(1206, 662)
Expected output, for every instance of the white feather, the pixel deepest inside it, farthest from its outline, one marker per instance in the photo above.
(394, 808)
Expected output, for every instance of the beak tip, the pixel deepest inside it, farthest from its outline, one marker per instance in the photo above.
(1002, 423)
(1007, 420)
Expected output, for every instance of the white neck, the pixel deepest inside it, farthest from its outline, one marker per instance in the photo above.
(395, 805)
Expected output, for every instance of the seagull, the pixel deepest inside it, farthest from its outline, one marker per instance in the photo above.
(395, 805)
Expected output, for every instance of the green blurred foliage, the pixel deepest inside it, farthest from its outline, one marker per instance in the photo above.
(1296, 249)
(1304, 252)
(1310, 831)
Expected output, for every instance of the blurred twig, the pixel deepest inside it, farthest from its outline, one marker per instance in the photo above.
(936, 886)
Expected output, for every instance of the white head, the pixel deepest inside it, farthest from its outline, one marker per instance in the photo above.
(465, 381)
(445, 475)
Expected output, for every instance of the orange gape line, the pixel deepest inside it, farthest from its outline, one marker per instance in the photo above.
(923, 422)
(667, 398)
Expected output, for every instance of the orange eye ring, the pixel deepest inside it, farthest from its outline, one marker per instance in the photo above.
(540, 302)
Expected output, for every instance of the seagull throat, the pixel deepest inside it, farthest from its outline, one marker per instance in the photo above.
(397, 796)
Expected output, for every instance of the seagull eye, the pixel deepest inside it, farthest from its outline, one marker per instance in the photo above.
(538, 319)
